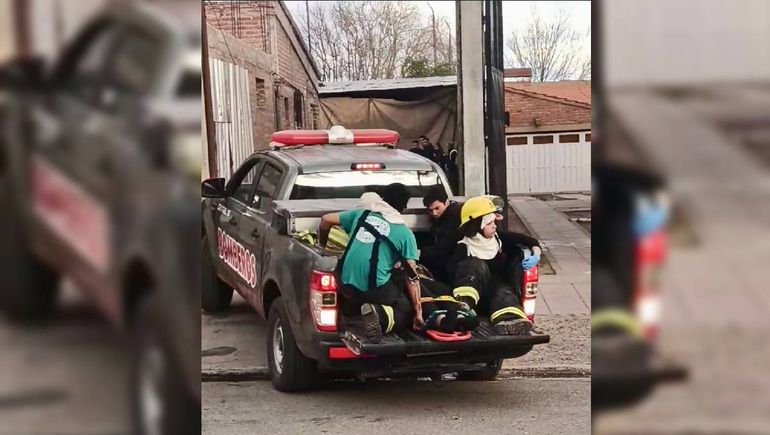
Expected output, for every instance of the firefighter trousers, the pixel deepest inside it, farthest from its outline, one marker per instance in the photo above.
(488, 293)
(390, 300)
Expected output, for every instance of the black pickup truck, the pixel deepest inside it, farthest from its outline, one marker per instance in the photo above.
(255, 241)
(99, 167)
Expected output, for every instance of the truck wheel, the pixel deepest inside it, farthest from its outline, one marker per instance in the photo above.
(160, 403)
(216, 295)
(488, 373)
(30, 287)
(290, 370)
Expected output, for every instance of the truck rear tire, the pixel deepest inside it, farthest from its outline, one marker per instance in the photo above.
(290, 370)
(160, 403)
(216, 295)
(488, 373)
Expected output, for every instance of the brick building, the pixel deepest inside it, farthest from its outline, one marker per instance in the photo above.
(256, 48)
(548, 112)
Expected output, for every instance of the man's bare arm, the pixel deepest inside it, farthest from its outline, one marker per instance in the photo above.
(413, 288)
(327, 222)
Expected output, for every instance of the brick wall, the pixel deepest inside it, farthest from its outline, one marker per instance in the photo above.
(524, 109)
(263, 26)
(247, 21)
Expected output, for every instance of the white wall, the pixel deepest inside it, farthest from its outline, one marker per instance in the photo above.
(549, 168)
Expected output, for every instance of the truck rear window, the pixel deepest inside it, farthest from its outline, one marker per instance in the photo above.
(353, 184)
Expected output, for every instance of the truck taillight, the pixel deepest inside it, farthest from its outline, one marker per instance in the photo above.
(650, 255)
(323, 300)
(529, 296)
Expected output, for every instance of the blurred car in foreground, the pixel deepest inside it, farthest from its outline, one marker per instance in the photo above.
(99, 164)
(630, 211)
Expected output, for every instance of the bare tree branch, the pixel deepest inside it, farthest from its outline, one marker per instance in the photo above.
(368, 40)
(552, 49)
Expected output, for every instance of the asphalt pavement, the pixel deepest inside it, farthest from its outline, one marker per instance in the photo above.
(67, 378)
(531, 406)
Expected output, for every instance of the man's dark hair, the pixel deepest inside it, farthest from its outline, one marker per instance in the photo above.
(397, 195)
(435, 193)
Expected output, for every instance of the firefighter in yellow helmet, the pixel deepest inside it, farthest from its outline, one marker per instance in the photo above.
(487, 266)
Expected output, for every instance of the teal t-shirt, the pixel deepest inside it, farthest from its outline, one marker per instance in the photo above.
(355, 271)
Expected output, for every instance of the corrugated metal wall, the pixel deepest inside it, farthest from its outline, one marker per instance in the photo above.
(231, 108)
(558, 167)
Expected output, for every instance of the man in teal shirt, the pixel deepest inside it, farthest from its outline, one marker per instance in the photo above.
(386, 301)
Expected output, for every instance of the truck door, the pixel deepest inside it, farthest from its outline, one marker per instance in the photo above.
(255, 222)
(68, 203)
(236, 253)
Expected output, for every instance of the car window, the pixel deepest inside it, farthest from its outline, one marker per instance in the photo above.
(190, 81)
(268, 185)
(81, 71)
(244, 189)
(352, 184)
(132, 68)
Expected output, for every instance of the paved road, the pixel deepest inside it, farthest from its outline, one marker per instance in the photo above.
(533, 406)
(67, 378)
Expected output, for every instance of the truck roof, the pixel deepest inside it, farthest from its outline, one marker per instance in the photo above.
(328, 158)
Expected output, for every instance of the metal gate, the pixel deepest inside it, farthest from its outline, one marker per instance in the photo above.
(231, 108)
(549, 168)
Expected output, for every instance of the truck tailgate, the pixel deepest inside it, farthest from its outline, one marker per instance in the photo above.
(411, 343)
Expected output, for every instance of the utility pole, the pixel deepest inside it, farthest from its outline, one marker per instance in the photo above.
(494, 108)
(307, 21)
(211, 137)
(471, 99)
(433, 14)
(449, 44)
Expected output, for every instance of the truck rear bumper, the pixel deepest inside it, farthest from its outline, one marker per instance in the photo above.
(410, 352)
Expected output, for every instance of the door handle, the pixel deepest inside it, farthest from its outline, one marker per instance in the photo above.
(255, 233)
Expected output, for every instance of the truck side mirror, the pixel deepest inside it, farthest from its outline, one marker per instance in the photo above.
(213, 188)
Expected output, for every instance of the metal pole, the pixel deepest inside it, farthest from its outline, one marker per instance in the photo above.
(307, 18)
(494, 109)
(211, 138)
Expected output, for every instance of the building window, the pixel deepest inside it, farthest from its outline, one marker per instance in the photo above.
(286, 107)
(588, 137)
(569, 138)
(298, 109)
(315, 115)
(260, 91)
(516, 140)
(277, 103)
(542, 140)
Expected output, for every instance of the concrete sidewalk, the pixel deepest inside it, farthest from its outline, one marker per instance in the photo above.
(568, 248)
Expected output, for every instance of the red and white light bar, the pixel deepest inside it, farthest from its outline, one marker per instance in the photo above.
(335, 135)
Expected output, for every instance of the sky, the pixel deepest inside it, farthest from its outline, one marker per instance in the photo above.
(515, 14)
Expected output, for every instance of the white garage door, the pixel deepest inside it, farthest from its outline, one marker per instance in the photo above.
(549, 163)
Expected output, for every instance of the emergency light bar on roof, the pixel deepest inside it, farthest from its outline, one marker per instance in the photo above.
(335, 135)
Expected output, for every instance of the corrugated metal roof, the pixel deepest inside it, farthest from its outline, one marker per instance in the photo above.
(386, 84)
